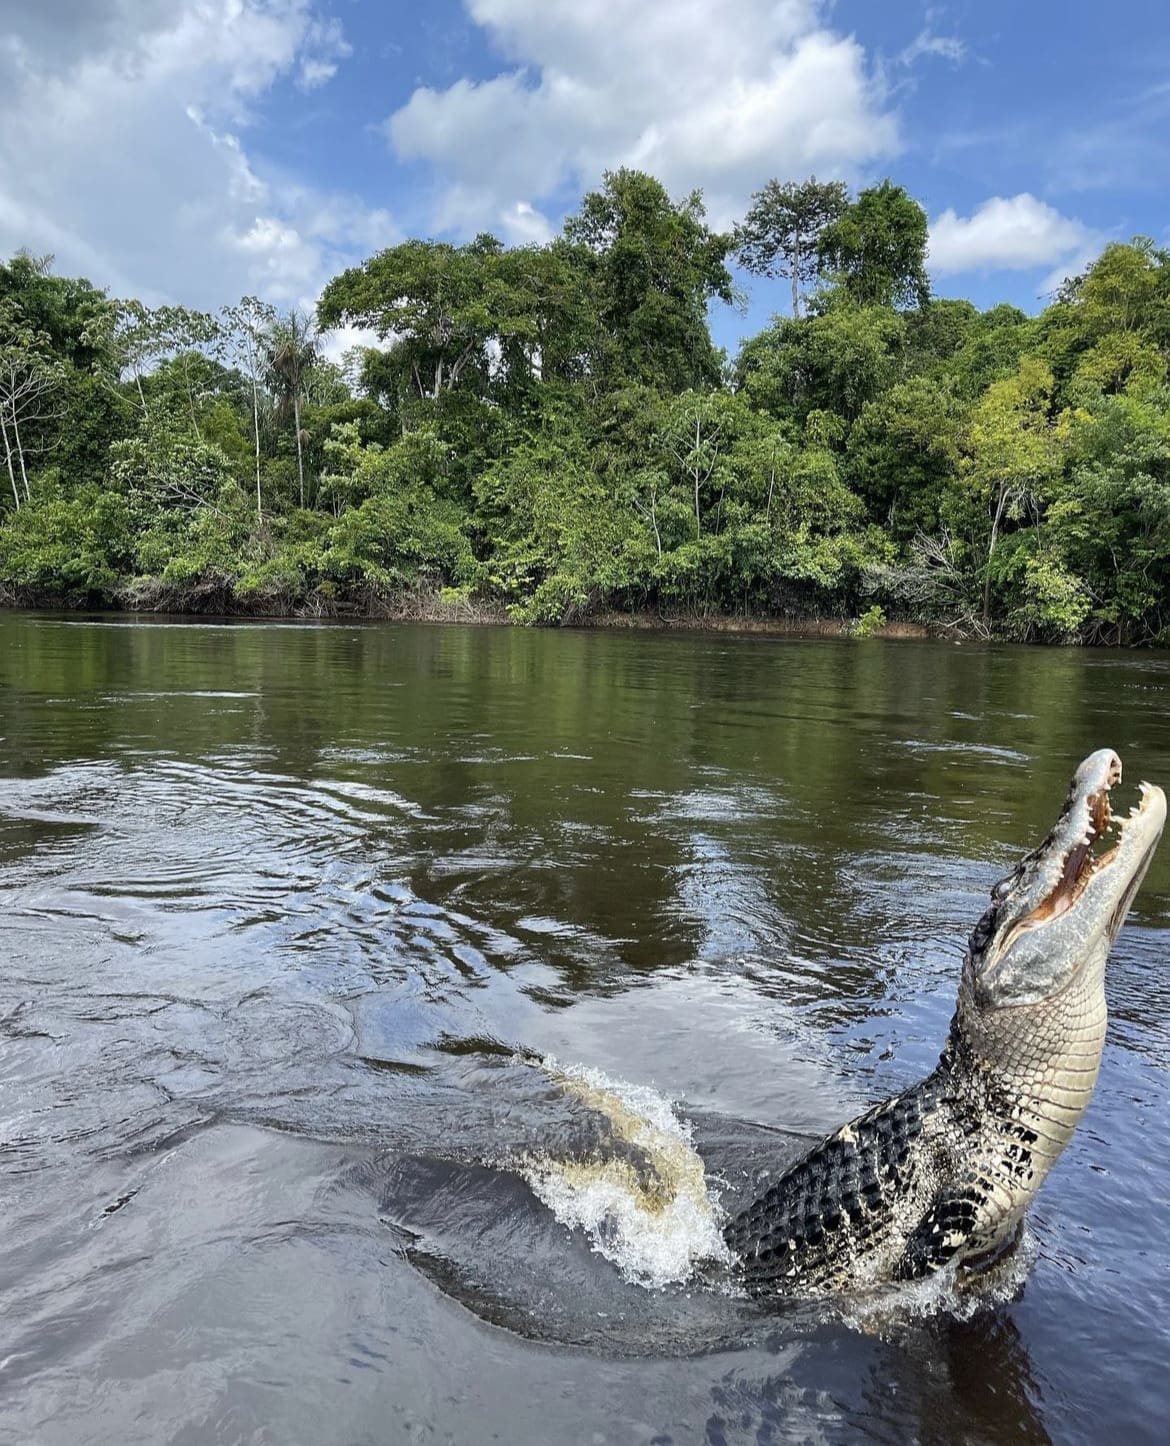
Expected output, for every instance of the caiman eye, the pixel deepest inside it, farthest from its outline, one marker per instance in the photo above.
(1001, 890)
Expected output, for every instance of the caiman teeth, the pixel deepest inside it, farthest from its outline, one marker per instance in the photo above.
(1146, 792)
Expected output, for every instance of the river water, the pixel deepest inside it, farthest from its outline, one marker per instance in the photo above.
(321, 948)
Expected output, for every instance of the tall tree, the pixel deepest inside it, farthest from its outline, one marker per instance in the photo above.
(29, 378)
(293, 345)
(781, 232)
(878, 248)
(73, 315)
(243, 331)
(145, 335)
(654, 266)
(429, 300)
(461, 317)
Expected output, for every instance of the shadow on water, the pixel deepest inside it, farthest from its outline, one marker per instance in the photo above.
(291, 916)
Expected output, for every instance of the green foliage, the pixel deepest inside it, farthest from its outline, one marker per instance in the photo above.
(652, 266)
(396, 530)
(781, 233)
(904, 453)
(76, 547)
(164, 467)
(878, 248)
(870, 622)
(551, 526)
(835, 360)
(1044, 599)
(551, 429)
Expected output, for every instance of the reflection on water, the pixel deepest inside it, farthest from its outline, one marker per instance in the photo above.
(287, 913)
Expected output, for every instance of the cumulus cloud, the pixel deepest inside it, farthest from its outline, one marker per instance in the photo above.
(721, 94)
(1010, 233)
(123, 127)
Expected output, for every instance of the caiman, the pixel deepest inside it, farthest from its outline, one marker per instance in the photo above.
(942, 1174)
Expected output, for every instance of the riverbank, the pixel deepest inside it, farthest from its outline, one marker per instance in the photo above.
(206, 600)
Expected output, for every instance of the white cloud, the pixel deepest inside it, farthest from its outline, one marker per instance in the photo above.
(524, 225)
(942, 47)
(337, 345)
(721, 94)
(1011, 233)
(324, 47)
(123, 129)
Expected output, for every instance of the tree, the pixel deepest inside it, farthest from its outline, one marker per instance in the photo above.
(653, 266)
(429, 299)
(164, 467)
(1111, 520)
(878, 248)
(835, 360)
(1013, 450)
(904, 451)
(29, 378)
(781, 232)
(1123, 290)
(147, 335)
(75, 318)
(292, 351)
(693, 438)
(243, 331)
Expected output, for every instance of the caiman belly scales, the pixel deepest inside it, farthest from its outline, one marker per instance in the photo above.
(943, 1173)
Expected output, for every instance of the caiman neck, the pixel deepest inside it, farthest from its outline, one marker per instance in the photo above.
(1024, 1076)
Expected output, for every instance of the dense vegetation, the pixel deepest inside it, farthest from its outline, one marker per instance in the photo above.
(551, 430)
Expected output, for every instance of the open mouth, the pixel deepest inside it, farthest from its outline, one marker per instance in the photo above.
(1094, 852)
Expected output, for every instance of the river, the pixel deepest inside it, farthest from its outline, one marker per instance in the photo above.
(319, 943)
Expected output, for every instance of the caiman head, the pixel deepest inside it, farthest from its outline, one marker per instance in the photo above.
(1056, 915)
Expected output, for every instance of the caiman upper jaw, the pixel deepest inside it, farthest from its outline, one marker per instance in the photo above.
(1075, 889)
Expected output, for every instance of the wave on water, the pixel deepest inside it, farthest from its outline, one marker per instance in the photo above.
(652, 1216)
(653, 1212)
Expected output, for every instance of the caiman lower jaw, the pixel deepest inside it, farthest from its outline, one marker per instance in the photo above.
(1082, 862)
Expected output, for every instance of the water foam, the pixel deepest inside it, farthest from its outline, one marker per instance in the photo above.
(655, 1224)
(883, 1309)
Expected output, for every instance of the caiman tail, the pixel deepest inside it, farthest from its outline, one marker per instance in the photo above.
(943, 1173)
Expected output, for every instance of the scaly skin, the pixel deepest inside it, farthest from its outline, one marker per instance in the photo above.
(944, 1172)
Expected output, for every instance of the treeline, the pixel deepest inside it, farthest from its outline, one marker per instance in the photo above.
(551, 429)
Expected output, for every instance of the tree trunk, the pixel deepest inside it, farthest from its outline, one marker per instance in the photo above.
(256, 434)
(8, 460)
(999, 507)
(698, 524)
(300, 457)
(191, 398)
(20, 456)
(796, 279)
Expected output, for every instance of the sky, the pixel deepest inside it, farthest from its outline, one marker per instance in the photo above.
(195, 151)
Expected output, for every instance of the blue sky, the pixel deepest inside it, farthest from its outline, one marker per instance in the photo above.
(195, 150)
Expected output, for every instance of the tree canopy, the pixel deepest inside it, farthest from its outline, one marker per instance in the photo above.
(550, 430)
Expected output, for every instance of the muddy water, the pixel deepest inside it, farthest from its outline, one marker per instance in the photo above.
(303, 930)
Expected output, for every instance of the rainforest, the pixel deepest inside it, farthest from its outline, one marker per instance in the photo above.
(548, 434)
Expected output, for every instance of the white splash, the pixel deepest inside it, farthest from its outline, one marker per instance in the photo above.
(949, 1292)
(656, 1225)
